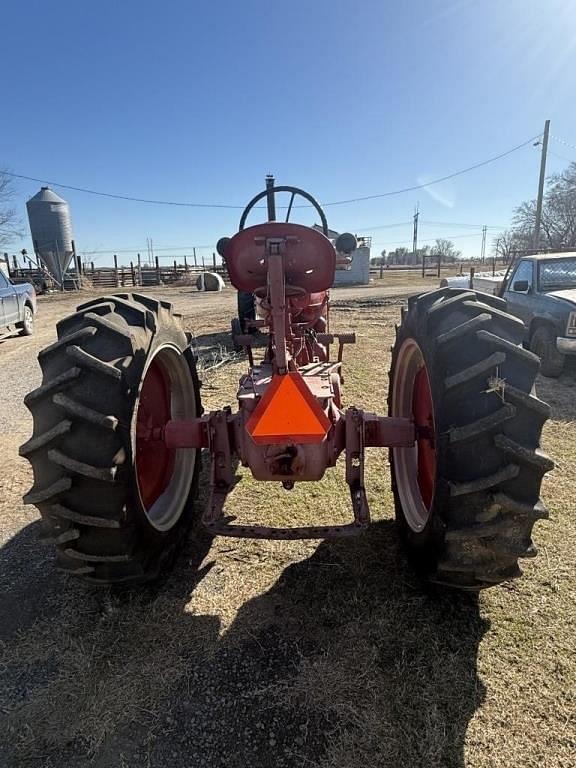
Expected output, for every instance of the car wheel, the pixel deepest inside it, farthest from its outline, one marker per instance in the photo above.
(543, 344)
(27, 324)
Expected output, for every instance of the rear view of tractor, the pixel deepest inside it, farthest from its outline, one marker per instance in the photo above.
(119, 427)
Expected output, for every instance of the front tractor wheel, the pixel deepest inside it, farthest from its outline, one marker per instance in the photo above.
(115, 501)
(468, 493)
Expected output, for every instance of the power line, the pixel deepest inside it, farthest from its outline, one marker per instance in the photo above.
(141, 249)
(427, 222)
(121, 197)
(565, 159)
(382, 226)
(442, 178)
(359, 229)
(429, 240)
(241, 207)
(563, 141)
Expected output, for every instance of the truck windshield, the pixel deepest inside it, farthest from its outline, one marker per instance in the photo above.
(558, 273)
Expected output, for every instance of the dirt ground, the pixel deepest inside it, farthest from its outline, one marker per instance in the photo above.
(257, 653)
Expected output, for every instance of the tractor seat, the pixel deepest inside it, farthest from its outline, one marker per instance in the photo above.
(309, 258)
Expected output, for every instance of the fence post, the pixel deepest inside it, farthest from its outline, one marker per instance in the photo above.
(471, 281)
(439, 263)
(116, 270)
(157, 271)
(185, 265)
(133, 273)
(195, 262)
(15, 265)
(175, 270)
(213, 259)
(139, 270)
(92, 268)
(122, 279)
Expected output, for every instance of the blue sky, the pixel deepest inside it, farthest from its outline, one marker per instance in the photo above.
(197, 101)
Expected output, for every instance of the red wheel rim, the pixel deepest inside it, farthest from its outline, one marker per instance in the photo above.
(423, 412)
(414, 467)
(154, 460)
(164, 477)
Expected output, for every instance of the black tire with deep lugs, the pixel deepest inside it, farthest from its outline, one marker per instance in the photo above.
(488, 424)
(82, 448)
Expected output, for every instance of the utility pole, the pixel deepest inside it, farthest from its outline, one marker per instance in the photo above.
(536, 239)
(415, 239)
(483, 249)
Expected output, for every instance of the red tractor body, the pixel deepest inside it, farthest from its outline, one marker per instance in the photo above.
(119, 428)
(290, 425)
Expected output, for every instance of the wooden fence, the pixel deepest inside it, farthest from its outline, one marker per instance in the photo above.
(118, 276)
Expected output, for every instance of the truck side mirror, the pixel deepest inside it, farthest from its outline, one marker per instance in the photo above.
(521, 286)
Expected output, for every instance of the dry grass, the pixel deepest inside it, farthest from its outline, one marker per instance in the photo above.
(295, 653)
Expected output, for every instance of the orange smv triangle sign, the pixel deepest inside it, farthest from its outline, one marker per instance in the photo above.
(288, 411)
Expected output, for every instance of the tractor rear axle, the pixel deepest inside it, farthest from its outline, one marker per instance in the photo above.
(222, 433)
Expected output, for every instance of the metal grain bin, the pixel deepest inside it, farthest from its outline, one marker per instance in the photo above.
(51, 228)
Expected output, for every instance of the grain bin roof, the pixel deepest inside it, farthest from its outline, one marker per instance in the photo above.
(46, 195)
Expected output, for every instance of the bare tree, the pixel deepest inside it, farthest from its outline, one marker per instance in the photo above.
(446, 250)
(558, 225)
(10, 222)
(509, 242)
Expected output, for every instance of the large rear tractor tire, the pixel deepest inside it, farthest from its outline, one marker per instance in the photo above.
(115, 504)
(468, 495)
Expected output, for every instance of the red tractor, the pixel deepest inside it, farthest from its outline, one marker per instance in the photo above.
(119, 427)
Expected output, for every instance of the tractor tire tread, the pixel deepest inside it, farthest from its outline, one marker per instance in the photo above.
(80, 450)
(80, 411)
(466, 375)
(45, 438)
(86, 360)
(63, 380)
(463, 329)
(59, 511)
(481, 426)
(489, 424)
(72, 338)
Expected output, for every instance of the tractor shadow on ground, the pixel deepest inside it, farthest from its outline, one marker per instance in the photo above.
(347, 660)
(208, 343)
(205, 343)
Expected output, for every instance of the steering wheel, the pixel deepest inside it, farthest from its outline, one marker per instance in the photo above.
(294, 191)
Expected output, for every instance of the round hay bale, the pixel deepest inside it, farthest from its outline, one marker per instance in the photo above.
(209, 281)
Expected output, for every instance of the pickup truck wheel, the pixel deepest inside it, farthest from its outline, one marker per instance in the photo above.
(468, 493)
(27, 324)
(543, 344)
